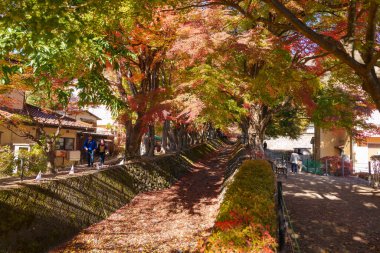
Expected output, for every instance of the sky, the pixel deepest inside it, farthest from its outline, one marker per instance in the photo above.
(103, 113)
(375, 118)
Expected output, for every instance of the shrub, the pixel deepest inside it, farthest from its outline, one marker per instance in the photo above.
(7, 161)
(335, 165)
(31, 162)
(247, 219)
(363, 175)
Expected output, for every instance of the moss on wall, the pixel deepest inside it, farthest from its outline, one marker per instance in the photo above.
(37, 217)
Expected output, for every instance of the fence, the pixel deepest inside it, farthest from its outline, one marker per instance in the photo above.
(374, 172)
(286, 241)
(315, 167)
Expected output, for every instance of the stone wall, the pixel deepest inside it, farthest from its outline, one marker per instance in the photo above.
(36, 217)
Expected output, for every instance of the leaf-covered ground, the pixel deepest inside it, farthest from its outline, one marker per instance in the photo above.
(331, 214)
(170, 220)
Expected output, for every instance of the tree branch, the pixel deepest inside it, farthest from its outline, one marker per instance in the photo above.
(333, 6)
(326, 42)
(306, 59)
(371, 32)
(351, 19)
(198, 5)
(11, 126)
(374, 59)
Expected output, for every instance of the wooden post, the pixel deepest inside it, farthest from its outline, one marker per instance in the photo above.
(369, 172)
(369, 168)
(342, 164)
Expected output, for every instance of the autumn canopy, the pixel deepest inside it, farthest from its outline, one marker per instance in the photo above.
(187, 68)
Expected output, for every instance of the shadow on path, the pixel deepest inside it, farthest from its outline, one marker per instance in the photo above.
(332, 214)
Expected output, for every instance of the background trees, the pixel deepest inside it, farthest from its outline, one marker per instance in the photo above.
(248, 70)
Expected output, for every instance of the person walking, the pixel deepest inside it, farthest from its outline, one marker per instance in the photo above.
(90, 147)
(102, 151)
(294, 159)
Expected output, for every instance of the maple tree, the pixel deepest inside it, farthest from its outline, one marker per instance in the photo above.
(39, 44)
(343, 30)
(246, 69)
(132, 79)
(339, 107)
(64, 42)
(154, 66)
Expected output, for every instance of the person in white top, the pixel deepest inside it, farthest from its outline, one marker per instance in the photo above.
(294, 158)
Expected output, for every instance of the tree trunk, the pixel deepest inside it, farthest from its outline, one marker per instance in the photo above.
(135, 133)
(178, 138)
(244, 126)
(183, 136)
(144, 149)
(152, 140)
(172, 138)
(51, 161)
(165, 132)
(203, 134)
(259, 118)
(50, 155)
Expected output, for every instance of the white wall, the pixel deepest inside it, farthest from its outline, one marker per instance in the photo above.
(361, 158)
(103, 113)
(285, 143)
(361, 152)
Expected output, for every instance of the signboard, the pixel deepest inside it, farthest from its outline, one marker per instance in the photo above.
(73, 155)
(60, 153)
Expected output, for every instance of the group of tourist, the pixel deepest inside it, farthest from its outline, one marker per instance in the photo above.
(90, 146)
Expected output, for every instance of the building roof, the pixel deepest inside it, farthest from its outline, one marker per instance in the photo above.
(97, 134)
(45, 117)
(73, 112)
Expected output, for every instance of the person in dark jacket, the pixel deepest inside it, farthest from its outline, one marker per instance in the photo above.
(102, 151)
(90, 147)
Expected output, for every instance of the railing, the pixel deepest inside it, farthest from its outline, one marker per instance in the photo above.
(283, 223)
(315, 167)
(374, 172)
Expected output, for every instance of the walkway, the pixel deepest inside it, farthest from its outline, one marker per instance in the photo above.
(82, 169)
(331, 214)
(170, 220)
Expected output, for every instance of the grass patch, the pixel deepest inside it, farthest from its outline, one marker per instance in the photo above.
(247, 220)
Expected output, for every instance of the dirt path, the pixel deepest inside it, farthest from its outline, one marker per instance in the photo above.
(331, 214)
(171, 220)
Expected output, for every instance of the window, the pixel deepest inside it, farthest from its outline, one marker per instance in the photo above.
(65, 144)
(18, 147)
(69, 143)
(60, 144)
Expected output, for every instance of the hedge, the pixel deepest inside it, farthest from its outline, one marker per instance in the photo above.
(247, 219)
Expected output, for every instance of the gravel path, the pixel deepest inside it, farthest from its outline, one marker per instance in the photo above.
(170, 220)
(331, 214)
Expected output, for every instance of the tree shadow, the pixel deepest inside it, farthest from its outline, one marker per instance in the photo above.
(333, 214)
(202, 186)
